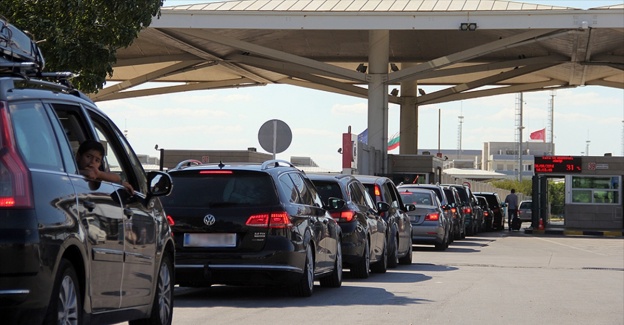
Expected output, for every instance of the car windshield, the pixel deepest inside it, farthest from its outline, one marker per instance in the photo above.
(193, 189)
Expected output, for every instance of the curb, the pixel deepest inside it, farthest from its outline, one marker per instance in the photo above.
(562, 232)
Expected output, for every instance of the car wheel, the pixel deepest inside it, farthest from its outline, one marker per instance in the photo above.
(393, 252)
(407, 259)
(162, 306)
(66, 304)
(305, 286)
(382, 265)
(361, 269)
(334, 280)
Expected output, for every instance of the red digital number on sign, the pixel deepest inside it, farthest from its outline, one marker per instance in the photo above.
(557, 164)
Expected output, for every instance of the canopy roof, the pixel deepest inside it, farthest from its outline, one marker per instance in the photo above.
(319, 44)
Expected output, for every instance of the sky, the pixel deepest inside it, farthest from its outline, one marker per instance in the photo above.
(587, 117)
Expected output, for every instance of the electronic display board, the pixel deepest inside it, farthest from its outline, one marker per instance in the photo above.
(557, 164)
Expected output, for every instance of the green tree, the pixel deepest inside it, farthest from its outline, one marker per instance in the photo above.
(525, 186)
(556, 197)
(82, 36)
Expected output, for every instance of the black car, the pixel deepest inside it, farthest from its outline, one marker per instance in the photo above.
(487, 212)
(497, 206)
(454, 201)
(364, 231)
(252, 224)
(73, 250)
(469, 208)
(393, 211)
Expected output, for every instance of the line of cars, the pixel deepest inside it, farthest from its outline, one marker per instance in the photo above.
(271, 224)
(447, 212)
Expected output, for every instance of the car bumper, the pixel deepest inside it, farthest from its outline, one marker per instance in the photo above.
(427, 234)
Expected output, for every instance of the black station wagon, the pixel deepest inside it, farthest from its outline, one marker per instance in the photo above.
(252, 224)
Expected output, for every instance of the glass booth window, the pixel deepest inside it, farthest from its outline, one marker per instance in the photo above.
(596, 190)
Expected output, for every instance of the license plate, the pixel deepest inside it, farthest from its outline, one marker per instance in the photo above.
(209, 240)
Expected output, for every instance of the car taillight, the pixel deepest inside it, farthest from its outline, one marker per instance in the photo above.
(343, 216)
(15, 188)
(467, 210)
(485, 213)
(277, 220)
(435, 216)
(170, 221)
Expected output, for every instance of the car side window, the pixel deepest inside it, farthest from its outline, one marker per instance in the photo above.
(35, 137)
(287, 188)
(356, 194)
(119, 156)
(306, 197)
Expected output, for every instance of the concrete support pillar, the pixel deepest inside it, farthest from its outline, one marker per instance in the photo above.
(378, 53)
(408, 124)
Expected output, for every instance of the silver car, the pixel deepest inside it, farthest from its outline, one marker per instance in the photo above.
(525, 212)
(430, 225)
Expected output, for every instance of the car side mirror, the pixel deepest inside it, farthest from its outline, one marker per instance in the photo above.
(160, 183)
(334, 203)
(383, 206)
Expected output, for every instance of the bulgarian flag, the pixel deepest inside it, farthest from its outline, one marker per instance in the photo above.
(394, 142)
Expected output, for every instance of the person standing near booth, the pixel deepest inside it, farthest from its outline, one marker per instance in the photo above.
(512, 206)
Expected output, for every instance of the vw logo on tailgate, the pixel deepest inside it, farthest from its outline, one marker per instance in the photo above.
(209, 220)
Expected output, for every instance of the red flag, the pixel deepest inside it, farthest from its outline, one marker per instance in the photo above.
(539, 135)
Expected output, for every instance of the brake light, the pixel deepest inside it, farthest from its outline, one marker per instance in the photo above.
(343, 216)
(485, 213)
(435, 216)
(170, 221)
(467, 210)
(15, 189)
(377, 190)
(219, 172)
(275, 220)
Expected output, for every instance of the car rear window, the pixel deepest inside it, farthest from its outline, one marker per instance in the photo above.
(204, 189)
(526, 205)
(328, 189)
(418, 198)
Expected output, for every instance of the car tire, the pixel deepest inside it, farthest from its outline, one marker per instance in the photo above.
(407, 259)
(66, 304)
(162, 305)
(393, 253)
(334, 279)
(361, 269)
(381, 266)
(305, 286)
(463, 232)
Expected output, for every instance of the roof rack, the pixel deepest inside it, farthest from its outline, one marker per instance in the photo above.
(187, 163)
(276, 163)
(18, 52)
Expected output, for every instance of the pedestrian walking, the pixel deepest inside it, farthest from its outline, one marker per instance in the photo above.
(512, 206)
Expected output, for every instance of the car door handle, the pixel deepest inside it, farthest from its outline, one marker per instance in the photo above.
(89, 205)
(128, 212)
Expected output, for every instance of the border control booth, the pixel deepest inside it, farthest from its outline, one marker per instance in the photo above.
(593, 190)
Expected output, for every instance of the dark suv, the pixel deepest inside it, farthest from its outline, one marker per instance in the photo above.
(364, 231)
(394, 212)
(72, 249)
(473, 217)
(497, 206)
(252, 224)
